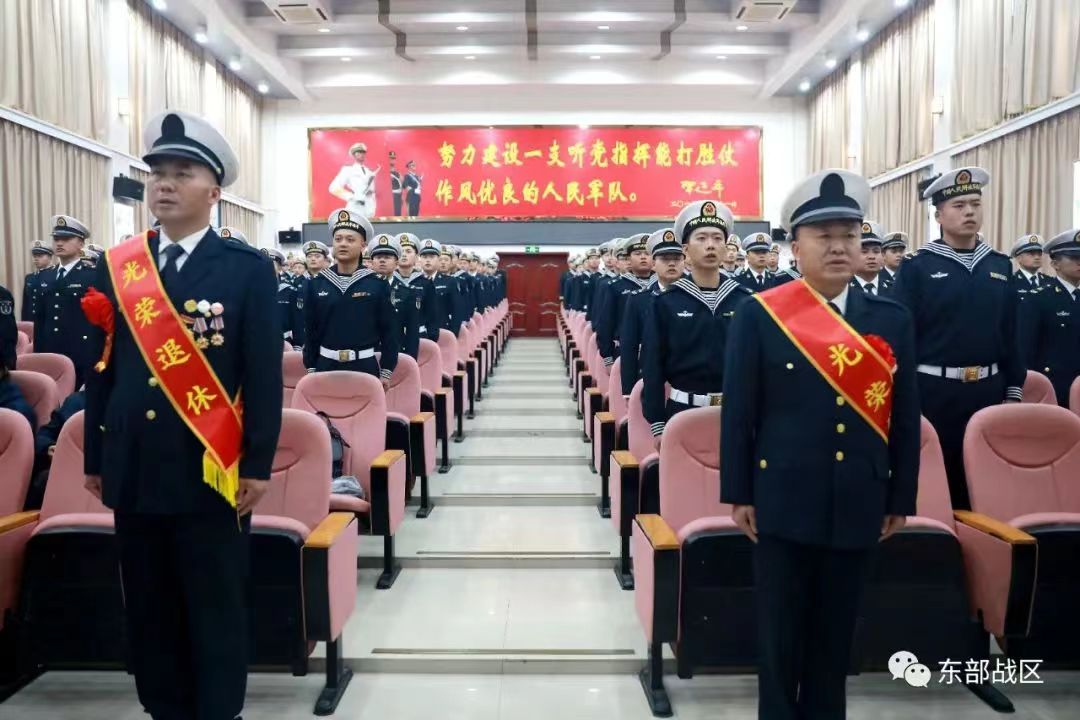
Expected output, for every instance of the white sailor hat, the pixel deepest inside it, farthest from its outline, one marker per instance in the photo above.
(664, 241)
(871, 233)
(231, 232)
(495, 257)
(592, 252)
(735, 240)
(831, 194)
(407, 239)
(95, 248)
(384, 244)
(314, 246)
(1026, 243)
(1066, 243)
(757, 242)
(894, 240)
(356, 147)
(274, 254)
(473, 257)
(67, 226)
(447, 250)
(492, 262)
(640, 241)
(88, 255)
(430, 247)
(39, 247)
(774, 248)
(345, 219)
(963, 181)
(740, 255)
(703, 213)
(178, 134)
(606, 248)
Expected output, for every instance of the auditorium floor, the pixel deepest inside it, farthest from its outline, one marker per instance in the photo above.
(507, 606)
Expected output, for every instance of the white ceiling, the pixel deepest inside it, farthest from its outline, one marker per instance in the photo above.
(370, 43)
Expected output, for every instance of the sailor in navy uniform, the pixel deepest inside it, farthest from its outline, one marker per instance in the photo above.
(466, 285)
(962, 295)
(500, 279)
(740, 262)
(9, 331)
(59, 323)
(1049, 320)
(385, 253)
(868, 276)
(772, 263)
(1027, 252)
(42, 256)
(608, 323)
(893, 249)
(347, 308)
(756, 277)
(669, 264)
(598, 288)
(184, 550)
(412, 276)
(290, 303)
(686, 332)
(317, 256)
(811, 483)
(581, 287)
(429, 257)
(564, 279)
(454, 302)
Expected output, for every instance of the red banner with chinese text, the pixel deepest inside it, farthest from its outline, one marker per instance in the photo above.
(535, 172)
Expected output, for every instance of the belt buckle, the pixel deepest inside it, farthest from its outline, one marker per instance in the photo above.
(343, 355)
(715, 400)
(970, 374)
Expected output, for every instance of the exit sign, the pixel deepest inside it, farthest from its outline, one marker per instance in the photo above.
(532, 249)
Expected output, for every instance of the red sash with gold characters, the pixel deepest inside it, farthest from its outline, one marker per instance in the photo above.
(859, 368)
(181, 369)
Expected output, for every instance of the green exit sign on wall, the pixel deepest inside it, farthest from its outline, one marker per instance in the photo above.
(532, 249)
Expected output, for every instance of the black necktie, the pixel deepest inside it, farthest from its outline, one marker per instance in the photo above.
(869, 287)
(1034, 281)
(170, 272)
(60, 274)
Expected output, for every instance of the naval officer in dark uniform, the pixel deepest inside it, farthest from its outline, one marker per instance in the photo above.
(413, 276)
(686, 332)
(184, 552)
(811, 482)
(608, 321)
(868, 271)
(1027, 252)
(290, 302)
(962, 296)
(42, 256)
(428, 260)
(347, 309)
(385, 252)
(59, 323)
(756, 277)
(669, 263)
(893, 249)
(1049, 319)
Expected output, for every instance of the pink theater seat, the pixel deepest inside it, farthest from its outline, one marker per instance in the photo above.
(288, 347)
(1039, 389)
(23, 344)
(605, 431)
(434, 397)
(403, 399)
(1074, 396)
(307, 586)
(58, 367)
(470, 364)
(40, 392)
(60, 560)
(594, 398)
(356, 405)
(16, 459)
(693, 568)
(292, 369)
(454, 377)
(1022, 463)
(26, 326)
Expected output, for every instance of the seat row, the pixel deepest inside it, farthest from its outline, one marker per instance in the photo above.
(940, 588)
(62, 558)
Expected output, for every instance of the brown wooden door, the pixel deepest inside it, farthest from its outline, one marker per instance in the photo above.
(533, 291)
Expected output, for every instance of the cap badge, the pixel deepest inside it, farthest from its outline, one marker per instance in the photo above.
(669, 236)
(866, 227)
(383, 240)
(225, 233)
(343, 216)
(61, 222)
(963, 177)
(708, 210)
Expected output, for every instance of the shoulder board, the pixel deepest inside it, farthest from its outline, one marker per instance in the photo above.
(234, 244)
(742, 288)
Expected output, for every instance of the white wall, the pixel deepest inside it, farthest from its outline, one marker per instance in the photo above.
(285, 126)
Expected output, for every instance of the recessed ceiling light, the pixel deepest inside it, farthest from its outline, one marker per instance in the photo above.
(324, 30)
(470, 57)
(830, 62)
(721, 57)
(346, 58)
(263, 88)
(160, 5)
(900, 3)
(861, 33)
(235, 64)
(804, 86)
(741, 28)
(201, 36)
(603, 27)
(462, 28)
(594, 57)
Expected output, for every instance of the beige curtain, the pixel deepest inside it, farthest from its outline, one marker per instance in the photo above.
(898, 89)
(169, 71)
(247, 221)
(895, 205)
(41, 177)
(1012, 56)
(52, 62)
(828, 125)
(1031, 179)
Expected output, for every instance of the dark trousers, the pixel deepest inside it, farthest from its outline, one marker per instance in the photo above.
(949, 405)
(808, 601)
(414, 205)
(185, 583)
(397, 204)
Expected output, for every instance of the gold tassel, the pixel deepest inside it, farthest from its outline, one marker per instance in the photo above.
(225, 483)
